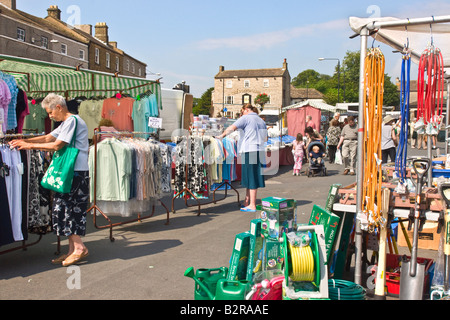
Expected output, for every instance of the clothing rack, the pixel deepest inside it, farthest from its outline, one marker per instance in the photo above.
(187, 190)
(95, 207)
(24, 245)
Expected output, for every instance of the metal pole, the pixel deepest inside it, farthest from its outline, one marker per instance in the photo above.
(360, 173)
(446, 117)
(407, 22)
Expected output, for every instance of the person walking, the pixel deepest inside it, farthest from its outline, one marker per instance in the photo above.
(388, 140)
(251, 147)
(298, 150)
(333, 135)
(349, 144)
(69, 210)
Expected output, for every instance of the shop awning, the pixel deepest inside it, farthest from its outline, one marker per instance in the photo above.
(316, 104)
(38, 79)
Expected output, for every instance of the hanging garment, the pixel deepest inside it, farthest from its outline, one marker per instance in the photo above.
(36, 119)
(10, 115)
(22, 110)
(119, 111)
(6, 232)
(91, 112)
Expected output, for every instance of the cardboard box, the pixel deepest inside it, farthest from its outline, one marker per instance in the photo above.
(330, 223)
(277, 216)
(255, 257)
(428, 237)
(239, 257)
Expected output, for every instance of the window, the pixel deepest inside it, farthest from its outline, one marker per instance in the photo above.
(63, 48)
(117, 64)
(20, 34)
(108, 60)
(133, 68)
(229, 84)
(266, 83)
(229, 100)
(44, 42)
(128, 65)
(81, 54)
(246, 83)
(140, 72)
(97, 55)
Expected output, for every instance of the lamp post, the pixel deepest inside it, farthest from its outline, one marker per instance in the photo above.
(339, 76)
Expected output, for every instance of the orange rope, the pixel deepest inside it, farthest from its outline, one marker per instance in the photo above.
(373, 117)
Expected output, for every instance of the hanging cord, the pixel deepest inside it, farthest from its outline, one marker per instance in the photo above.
(430, 88)
(302, 259)
(345, 290)
(402, 149)
(373, 117)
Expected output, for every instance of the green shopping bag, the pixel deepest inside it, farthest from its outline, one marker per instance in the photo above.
(59, 175)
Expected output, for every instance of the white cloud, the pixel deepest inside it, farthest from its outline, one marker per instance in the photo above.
(270, 39)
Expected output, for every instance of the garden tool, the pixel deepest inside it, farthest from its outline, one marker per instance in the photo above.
(445, 192)
(381, 270)
(202, 292)
(412, 274)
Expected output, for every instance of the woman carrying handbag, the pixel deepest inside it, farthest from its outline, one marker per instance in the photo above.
(69, 206)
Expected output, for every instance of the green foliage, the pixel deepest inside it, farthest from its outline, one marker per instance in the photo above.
(203, 105)
(348, 86)
(262, 99)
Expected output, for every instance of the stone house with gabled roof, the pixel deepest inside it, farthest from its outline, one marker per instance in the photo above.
(234, 88)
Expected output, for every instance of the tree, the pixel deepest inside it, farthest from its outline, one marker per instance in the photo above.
(348, 87)
(203, 105)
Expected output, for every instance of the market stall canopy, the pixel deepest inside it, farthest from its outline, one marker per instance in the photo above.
(319, 104)
(38, 79)
(418, 35)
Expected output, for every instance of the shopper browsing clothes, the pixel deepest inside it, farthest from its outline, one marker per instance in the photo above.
(298, 150)
(252, 150)
(69, 210)
(349, 144)
(333, 136)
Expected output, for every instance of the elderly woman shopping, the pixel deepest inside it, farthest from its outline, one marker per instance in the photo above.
(69, 209)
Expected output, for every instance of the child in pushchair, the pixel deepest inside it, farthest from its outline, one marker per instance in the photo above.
(316, 153)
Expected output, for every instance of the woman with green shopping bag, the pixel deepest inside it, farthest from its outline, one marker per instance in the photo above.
(69, 208)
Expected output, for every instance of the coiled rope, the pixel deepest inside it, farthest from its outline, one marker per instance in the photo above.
(430, 88)
(345, 290)
(373, 117)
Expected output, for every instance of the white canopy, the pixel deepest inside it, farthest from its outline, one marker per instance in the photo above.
(319, 104)
(395, 33)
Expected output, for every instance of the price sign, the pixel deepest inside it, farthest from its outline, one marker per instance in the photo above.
(155, 123)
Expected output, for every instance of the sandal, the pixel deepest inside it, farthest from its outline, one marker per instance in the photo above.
(60, 259)
(74, 258)
(247, 209)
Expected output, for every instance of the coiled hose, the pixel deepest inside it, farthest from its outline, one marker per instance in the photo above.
(345, 290)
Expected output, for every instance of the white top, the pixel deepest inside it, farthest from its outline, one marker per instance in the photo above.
(65, 133)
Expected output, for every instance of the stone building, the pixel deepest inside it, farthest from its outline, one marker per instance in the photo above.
(52, 40)
(234, 88)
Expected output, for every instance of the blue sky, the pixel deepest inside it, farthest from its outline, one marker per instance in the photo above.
(189, 40)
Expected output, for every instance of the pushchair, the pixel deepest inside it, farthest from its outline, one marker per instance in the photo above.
(315, 168)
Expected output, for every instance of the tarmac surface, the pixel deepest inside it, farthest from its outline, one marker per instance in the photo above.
(147, 260)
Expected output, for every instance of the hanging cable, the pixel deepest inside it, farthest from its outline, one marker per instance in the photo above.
(402, 149)
(373, 118)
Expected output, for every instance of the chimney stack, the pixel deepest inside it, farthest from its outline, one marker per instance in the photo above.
(85, 27)
(9, 3)
(54, 12)
(221, 68)
(101, 32)
(285, 65)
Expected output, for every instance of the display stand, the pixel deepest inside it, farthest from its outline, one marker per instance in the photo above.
(24, 245)
(95, 207)
(187, 191)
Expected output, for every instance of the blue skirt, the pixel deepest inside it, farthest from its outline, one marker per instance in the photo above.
(252, 170)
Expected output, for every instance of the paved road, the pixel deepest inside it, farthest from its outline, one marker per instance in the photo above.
(148, 259)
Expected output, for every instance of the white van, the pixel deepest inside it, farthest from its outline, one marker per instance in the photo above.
(176, 111)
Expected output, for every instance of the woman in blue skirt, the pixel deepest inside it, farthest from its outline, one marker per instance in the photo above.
(253, 135)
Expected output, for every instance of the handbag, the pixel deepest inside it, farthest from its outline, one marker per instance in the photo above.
(59, 175)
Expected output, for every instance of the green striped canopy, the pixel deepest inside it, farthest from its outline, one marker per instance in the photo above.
(39, 79)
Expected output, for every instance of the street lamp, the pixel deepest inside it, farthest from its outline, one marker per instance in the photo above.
(339, 75)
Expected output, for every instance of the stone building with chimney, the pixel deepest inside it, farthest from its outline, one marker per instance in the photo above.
(52, 40)
(234, 88)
